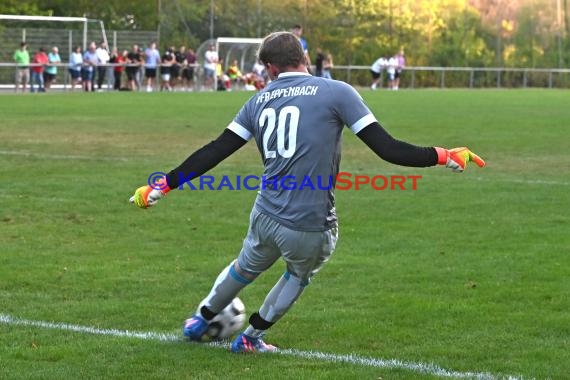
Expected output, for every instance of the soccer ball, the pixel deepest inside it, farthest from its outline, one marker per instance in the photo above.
(228, 322)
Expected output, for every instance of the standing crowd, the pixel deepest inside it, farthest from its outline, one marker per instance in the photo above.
(39, 69)
(146, 69)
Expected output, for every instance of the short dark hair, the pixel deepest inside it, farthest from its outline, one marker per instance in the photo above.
(23, 43)
(281, 49)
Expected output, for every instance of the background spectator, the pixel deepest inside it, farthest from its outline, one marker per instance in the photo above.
(133, 67)
(39, 61)
(224, 83)
(327, 66)
(22, 58)
(176, 69)
(399, 68)
(167, 60)
(90, 61)
(376, 71)
(75, 64)
(50, 72)
(211, 60)
(188, 70)
(234, 73)
(259, 78)
(118, 61)
(319, 63)
(391, 72)
(151, 63)
(297, 30)
(103, 57)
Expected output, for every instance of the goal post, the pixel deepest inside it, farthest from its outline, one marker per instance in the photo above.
(83, 20)
(42, 31)
(244, 50)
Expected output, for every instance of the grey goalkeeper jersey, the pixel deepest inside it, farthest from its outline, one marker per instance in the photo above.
(297, 123)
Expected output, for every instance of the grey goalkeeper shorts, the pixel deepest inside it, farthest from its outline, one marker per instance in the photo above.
(304, 252)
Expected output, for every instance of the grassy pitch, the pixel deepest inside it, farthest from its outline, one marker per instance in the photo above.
(469, 273)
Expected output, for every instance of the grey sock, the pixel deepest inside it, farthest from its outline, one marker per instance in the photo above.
(281, 297)
(225, 289)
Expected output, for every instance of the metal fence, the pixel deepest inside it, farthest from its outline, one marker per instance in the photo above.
(462, 77)
(413, 77)
(64, 39)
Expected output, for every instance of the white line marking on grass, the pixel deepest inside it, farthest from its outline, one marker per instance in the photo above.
(424, 368)
(9, 320)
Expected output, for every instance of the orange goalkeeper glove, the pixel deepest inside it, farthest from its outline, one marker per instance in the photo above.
(457, 158)
(147, 196)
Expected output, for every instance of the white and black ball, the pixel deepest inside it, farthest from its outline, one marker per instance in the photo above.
(228, 322)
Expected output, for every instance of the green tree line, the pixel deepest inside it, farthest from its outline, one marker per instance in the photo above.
(477, 33)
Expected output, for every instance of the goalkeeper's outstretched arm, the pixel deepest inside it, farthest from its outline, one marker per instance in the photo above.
(194, 166)
(405, 154)
(206, 158)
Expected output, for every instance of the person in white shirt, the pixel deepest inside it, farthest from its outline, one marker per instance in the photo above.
(75, 63)
(211, 59)
(103, 59)
(376, 71)
(391, 71)
(151, 63)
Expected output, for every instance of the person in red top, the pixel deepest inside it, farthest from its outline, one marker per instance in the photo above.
(119, 60)
(39, 62)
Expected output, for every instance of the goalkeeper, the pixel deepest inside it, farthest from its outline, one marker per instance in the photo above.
(297, 123)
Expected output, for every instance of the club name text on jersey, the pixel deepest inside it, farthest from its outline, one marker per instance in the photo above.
(286, 92)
